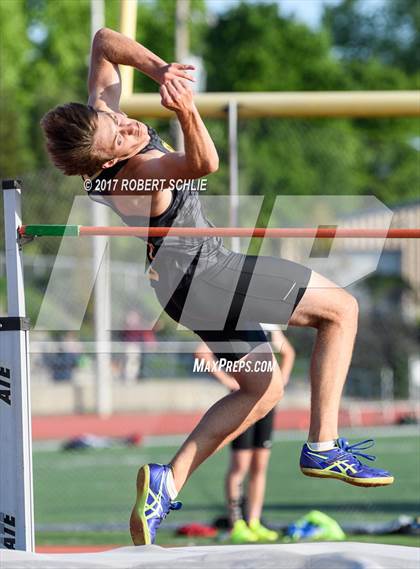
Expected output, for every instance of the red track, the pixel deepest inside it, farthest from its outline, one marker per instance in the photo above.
(63, 427)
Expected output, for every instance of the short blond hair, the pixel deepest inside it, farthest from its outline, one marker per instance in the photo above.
(69, 130)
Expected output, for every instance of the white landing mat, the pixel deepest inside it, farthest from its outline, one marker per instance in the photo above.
(343, 555)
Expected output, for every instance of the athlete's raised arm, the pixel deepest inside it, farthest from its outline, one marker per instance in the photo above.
(200, 155)
(110, 49)
(85, 139)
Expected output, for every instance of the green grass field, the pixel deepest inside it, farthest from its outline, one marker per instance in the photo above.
(97, 487)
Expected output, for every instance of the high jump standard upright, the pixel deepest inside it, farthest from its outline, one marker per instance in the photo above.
(16, 493)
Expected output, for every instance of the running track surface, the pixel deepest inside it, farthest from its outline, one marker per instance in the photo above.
(63, 427)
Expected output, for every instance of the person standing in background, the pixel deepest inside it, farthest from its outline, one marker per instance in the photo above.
(136, 332)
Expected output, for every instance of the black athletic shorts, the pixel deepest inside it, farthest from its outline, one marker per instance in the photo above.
(226, 303)
(257, 436)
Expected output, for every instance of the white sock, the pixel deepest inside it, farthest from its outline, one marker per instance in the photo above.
(170, 485)
(326, 445)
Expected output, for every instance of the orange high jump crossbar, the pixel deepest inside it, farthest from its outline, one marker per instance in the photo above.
(323, 232)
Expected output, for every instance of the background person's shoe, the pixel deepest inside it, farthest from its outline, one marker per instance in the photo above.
(241, 533)
(342, 463)
(262, 533)
(152, 504)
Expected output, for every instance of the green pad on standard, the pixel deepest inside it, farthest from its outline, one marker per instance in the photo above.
(52, 230)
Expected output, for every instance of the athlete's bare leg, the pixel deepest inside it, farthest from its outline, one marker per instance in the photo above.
(229, 417)
(257, 482)
(333, 312)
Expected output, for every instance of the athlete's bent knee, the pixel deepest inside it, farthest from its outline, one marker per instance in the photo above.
(342, 311)
(352, 308)
(348, 312)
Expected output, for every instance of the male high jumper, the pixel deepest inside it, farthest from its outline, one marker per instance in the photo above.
(221, 295)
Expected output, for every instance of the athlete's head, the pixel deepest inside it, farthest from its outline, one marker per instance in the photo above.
(82, 140)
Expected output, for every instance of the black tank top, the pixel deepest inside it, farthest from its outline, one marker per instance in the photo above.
(184, 211)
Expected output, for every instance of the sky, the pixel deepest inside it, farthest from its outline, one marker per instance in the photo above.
(307, 11)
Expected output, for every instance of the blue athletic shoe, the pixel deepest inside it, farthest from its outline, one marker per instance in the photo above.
(152, 505)
(342, 463)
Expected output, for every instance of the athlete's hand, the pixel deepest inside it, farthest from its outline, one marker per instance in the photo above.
(177, 95)
(174, 71)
